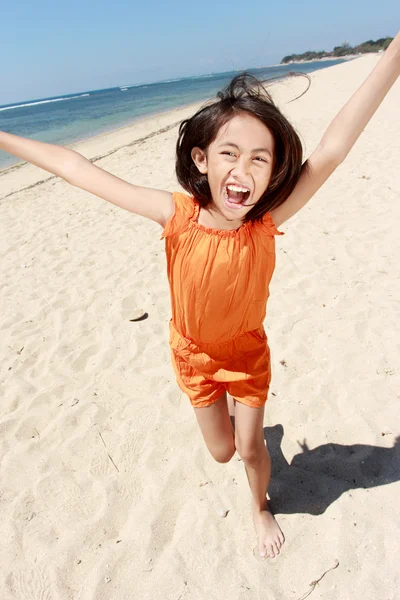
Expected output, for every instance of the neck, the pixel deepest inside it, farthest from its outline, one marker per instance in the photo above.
(213, 218)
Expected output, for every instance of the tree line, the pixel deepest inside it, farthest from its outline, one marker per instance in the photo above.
(343, 50)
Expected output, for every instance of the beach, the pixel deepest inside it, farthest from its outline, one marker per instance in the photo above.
(107, 489)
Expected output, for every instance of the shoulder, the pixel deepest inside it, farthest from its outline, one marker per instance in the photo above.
(267, 225)
(182, 210)
(183, 203)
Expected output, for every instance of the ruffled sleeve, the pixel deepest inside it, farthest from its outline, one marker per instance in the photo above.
(268, 226)
(184, 209)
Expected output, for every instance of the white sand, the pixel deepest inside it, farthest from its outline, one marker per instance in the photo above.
(81, 384)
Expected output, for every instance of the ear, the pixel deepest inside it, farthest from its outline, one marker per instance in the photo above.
(199, 158)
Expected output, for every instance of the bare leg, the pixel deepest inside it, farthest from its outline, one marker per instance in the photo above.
(250, 444)
(216, 428)
(231, 409)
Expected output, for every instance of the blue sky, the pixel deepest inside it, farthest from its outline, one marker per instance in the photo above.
(50, 48)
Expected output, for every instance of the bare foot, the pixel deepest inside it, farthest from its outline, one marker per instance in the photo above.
(270, 536)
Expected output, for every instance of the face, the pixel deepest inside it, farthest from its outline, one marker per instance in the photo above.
(238, 164)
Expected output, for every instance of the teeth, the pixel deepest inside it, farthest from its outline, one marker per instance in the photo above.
(236, 188)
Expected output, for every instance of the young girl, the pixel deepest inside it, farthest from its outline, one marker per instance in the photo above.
(241, 163)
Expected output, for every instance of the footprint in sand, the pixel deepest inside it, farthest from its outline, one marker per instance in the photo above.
(31, 584)
(81, 363)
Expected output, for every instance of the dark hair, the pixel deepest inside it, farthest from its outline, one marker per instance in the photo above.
(244, 94)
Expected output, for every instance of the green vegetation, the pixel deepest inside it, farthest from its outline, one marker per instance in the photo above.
(343, 50)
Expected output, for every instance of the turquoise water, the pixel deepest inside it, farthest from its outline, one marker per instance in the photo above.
(67, 119)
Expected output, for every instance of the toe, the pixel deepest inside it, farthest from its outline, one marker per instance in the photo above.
(276, 549)
(271, 551)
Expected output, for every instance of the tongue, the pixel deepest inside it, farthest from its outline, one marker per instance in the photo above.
(235, 196)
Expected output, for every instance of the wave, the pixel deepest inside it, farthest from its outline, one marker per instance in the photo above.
(133, 85)
(172, 80)
(203, 76)
(41, 102)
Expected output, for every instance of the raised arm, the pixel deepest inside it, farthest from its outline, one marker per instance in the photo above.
(80, 172)
(342, 133)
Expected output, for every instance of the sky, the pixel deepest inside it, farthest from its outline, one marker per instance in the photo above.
(50, 48)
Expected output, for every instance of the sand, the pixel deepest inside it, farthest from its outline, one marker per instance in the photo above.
(107, 490)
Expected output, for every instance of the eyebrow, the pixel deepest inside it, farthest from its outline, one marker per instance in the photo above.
(255, 150)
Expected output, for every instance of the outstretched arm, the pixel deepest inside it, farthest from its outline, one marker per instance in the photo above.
(80, 172)
(342, 133)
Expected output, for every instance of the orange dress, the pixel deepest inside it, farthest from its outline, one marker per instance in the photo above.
(219, 282)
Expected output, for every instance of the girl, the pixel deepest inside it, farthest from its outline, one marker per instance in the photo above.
(241, 162)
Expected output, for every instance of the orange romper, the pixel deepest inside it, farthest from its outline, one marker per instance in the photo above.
(219, 290)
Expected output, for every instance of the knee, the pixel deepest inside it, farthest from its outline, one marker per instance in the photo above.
(223, 454)
(251, 454)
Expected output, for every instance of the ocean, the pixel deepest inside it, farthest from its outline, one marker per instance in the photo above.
(74, 117)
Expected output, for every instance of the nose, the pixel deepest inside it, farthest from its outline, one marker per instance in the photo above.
(240, 167)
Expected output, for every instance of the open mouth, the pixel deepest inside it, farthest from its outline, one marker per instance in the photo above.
(235, 195)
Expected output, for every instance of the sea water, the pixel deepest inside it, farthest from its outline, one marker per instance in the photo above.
(75, 117)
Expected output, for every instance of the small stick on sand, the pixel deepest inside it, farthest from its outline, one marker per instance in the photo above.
(314, 583)
(101, 437)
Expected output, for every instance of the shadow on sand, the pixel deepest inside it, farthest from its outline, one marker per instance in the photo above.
(316, 478)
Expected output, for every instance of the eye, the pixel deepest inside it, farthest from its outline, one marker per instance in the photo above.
(261, 159)
(228, 153)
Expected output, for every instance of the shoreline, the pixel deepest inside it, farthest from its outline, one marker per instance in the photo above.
(110, 132)
(103, 145)
(141, 119)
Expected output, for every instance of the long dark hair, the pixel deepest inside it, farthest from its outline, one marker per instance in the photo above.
(244, 94)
